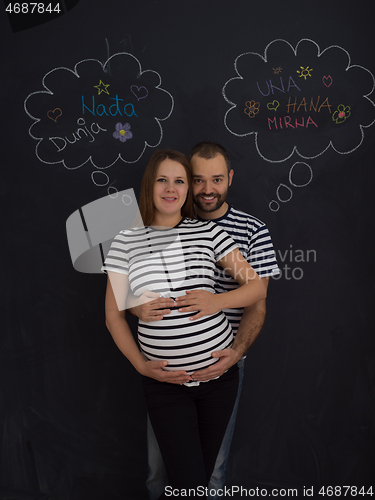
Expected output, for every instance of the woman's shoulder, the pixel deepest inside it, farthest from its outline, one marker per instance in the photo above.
(131, 234)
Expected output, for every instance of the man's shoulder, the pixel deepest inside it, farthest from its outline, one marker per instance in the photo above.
(239, 217)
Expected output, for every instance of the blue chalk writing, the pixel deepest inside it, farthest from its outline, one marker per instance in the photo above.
(113, 109)
(271, 87)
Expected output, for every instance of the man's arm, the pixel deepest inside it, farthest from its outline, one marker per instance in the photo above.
(249, 328)
(251, 290)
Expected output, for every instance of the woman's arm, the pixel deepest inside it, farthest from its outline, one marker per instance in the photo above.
(251, 289)
(115, 304)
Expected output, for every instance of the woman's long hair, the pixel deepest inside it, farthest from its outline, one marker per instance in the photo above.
(146, 201)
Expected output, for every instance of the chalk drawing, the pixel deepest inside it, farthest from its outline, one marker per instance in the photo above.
(86, 115)
(298, 168)
(327, 80)
(54, 114)
(102, 87)
(277, 133)
(99, 178)
(305, 72)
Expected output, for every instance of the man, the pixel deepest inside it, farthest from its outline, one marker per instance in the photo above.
(212, 176)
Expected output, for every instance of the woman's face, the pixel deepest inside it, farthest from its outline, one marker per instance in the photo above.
(170, 188)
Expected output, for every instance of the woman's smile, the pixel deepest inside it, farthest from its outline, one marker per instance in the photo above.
(169, 199)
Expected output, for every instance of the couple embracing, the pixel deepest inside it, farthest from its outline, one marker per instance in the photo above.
(201, 268)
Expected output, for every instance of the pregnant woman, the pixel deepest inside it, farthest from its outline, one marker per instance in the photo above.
(173, 254)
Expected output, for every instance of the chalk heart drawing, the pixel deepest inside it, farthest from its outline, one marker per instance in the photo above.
(272, 106)
(54, 114)
(139, 92)
(327, 80)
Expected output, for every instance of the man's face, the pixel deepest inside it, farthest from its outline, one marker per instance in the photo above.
(210, 182)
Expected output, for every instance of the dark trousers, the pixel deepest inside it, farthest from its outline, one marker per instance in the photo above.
(189, 424)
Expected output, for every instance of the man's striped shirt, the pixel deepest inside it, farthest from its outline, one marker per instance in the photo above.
(255, 244)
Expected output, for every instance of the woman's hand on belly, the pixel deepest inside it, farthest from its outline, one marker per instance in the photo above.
(154, 369)
(151, 306)
(207, 303)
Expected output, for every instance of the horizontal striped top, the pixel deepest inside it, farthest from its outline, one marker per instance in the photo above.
(255, 244)
(171, 261)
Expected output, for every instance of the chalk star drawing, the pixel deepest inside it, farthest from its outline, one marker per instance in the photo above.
(102, 87)
(305, 72)
(277, 71)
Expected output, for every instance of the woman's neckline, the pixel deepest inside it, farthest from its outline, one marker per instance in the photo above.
(165, 228)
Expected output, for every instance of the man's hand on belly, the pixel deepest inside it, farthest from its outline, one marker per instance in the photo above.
(227, 358)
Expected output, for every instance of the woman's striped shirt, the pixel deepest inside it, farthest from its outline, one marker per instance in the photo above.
(171, 261)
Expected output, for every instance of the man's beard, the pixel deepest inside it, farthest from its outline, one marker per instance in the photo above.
(210, 207)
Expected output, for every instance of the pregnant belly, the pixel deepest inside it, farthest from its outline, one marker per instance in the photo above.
(185, 344)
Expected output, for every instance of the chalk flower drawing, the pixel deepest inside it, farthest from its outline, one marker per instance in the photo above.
(122, 132)
(252, 108)
(341, 114)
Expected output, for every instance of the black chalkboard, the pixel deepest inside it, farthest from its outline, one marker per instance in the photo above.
(88, 92)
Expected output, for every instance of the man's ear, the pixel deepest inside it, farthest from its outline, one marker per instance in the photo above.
(230, 176)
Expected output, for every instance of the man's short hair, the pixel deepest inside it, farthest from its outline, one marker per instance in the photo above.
(209, 150)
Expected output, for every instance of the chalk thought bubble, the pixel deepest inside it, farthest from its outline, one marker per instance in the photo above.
(98, 113)
(299, 100)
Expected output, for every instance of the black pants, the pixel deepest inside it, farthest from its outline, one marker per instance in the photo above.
(189, 425)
